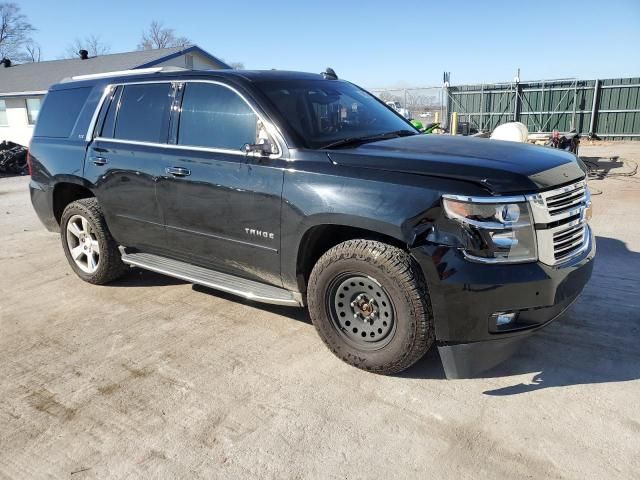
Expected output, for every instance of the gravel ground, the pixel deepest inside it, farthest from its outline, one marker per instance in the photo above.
(151, 377)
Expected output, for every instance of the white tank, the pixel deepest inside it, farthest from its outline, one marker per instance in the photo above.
(512, 132)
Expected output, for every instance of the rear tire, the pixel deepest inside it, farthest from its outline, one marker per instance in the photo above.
(369, 303)
(87, 243)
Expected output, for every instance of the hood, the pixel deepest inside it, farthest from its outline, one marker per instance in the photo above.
(502, 167)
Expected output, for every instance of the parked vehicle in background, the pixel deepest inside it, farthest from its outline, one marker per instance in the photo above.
(402, 111)
(305, 190)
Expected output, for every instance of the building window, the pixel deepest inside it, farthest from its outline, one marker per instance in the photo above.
(3, 113)
(188, 61)
(33, 108)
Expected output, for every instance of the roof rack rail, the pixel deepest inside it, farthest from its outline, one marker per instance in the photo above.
(139, 71)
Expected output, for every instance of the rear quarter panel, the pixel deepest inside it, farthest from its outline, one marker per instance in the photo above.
(60, 160)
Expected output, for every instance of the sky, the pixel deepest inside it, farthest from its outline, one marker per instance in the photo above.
(372, 43)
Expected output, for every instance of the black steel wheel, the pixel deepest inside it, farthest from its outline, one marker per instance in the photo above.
(369, 303)
(361, 310)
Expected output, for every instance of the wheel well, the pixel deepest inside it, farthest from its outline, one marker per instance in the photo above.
(317, 240)
(64, 194)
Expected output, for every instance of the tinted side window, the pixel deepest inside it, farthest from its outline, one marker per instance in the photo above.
(144, 112)
(215, 116)
(60, 112)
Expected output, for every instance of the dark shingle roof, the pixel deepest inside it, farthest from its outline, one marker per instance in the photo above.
(36, 77)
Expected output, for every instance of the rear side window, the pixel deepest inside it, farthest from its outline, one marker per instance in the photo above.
(216, 117)
(144, 113)
(60, 112)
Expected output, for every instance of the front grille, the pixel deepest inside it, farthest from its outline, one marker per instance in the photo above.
(567, 201)
(560, 220)
(567, 242)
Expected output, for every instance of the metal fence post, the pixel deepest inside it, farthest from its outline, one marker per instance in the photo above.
(541, 108)
(442, 106)
(594, 108)
(481, 108)
(447, 103)
(516, 108)
(446, 77)
(575, 100)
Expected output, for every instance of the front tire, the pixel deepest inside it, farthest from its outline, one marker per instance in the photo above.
(87, 243)
(369, 303)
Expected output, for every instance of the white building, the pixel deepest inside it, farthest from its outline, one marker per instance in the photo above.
(22, 87)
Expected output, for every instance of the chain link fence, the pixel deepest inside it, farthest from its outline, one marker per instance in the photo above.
(420, 103)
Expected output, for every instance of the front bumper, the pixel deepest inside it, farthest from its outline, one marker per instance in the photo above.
(464, 295)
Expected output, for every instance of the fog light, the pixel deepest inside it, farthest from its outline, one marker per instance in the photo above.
(502, 319)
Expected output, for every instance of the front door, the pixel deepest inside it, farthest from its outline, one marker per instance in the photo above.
(124, 162)
(221, 207)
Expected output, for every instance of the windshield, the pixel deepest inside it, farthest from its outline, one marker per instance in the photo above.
(326, 112)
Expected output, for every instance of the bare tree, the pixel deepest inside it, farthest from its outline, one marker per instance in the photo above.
(237, 65)
(15, 31)
(92, 44)
(32, 52)
(159, 36)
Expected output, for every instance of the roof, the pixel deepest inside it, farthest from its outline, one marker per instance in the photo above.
(174, 73)
(39, 76)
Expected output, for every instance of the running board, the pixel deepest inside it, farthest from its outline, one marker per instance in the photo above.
(249, 289)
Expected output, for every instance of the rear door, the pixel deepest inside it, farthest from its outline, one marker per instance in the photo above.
(221, 207)
(125, 161)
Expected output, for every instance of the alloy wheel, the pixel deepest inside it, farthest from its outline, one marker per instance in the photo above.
(83, 244)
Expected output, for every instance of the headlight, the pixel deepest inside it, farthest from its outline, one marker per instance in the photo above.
(495, 231)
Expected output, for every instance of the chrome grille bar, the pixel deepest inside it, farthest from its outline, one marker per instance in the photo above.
(566, 201)
(564, 248)
(564, 235)
(559, 242)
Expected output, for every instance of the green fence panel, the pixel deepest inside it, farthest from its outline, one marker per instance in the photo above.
(544, 106)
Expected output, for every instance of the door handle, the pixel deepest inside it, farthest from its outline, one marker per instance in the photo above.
(178, 171)
(99, 160)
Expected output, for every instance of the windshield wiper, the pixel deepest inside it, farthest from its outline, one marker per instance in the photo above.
(370, 138)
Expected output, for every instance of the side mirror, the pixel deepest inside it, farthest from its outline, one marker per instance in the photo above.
(262, 149)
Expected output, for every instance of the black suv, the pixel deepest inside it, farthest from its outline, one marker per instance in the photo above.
(302, 189)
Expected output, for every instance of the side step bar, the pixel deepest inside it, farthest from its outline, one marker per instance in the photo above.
(249, 289)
